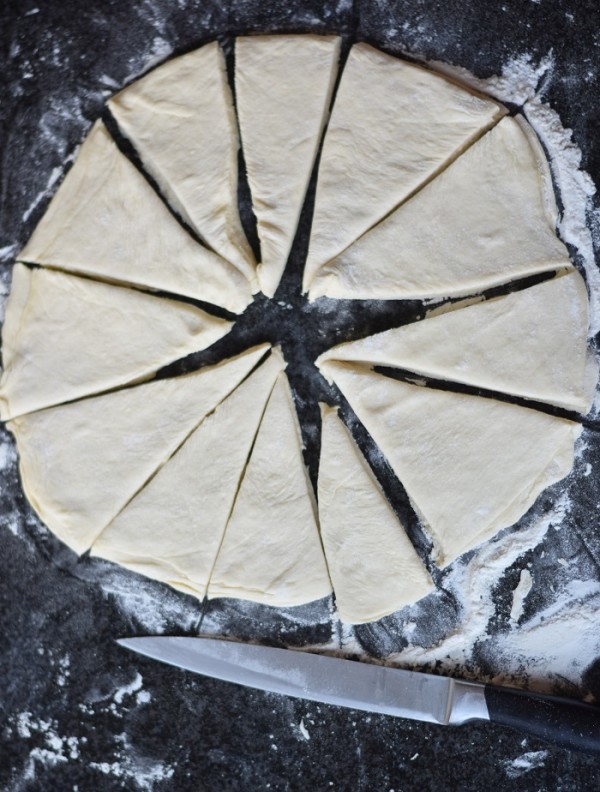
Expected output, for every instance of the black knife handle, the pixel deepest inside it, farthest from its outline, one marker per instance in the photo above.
(563, 721)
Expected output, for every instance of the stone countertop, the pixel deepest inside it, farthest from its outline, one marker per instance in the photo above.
(77, 711)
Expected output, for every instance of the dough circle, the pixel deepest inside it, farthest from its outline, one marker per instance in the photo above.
(424, 190)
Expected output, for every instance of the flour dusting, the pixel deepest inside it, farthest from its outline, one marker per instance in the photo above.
(473, 584)
(515, 768)
(520, 595)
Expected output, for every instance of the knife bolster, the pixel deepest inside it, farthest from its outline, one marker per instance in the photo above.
(466, 703)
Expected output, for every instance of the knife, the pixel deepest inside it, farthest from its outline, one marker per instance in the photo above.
(381, 689)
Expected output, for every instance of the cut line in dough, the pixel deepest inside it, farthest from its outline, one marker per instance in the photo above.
(487, 219)
(283, 87)
(373, 566)
(531, 344)
(375, 156)
(106, 221)
(271, 551)
(180, 119)
(82, 462)
(172, 529)
(470, 465)
(65, 337)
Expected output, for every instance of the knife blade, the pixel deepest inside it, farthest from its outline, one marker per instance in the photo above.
(379, 689)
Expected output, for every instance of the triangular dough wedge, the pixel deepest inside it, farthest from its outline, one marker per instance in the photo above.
(181, 120)
(65, 337)
(532, 343)
(172, 530)
(106, 220)
(373, 566)
(392, 127)
(82, 462)
(470, 465)
(271, 552)
(283, 90)
(487, 219)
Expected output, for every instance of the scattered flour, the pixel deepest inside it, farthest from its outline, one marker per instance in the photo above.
(557, 643)
(519, 81)
(514, 768)
(141, 772)
(159, 50)
(520, 595)
(473, 585)
(153, 608)
(128, 690)
(56, 749)
(303, 730)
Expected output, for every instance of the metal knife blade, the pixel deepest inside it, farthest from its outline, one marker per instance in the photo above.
(328, 680)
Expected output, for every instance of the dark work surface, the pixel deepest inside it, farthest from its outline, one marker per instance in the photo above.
(79, 713)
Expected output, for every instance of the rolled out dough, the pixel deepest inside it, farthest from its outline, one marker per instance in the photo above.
(181, 120)
(531, 343)
(65, 337)
(470, 465)
(373, 566)
(283, 88)
(271, 551)
(392, 127)
(487, 219)
(106, 221)
(172, 529)
(82, 462)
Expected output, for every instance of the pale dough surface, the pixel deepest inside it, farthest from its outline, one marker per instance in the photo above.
(283, 91)
(487, 219)
(82, 462)
(181, 120)
(65, 337)
(471, 466)
(532, 343)
(271, 551)
(172, 529)
(373, 566)
(106, 221)
(392, 127)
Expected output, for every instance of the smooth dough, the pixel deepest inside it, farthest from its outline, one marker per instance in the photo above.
(471, 466)
(532, 343)
(172, 529)
(392, 127)
(95, 225)
(82, 462)
(489, 218)
(65, 337)
(373, 566)
(181, 120)
(272, 552)
(283, 90)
